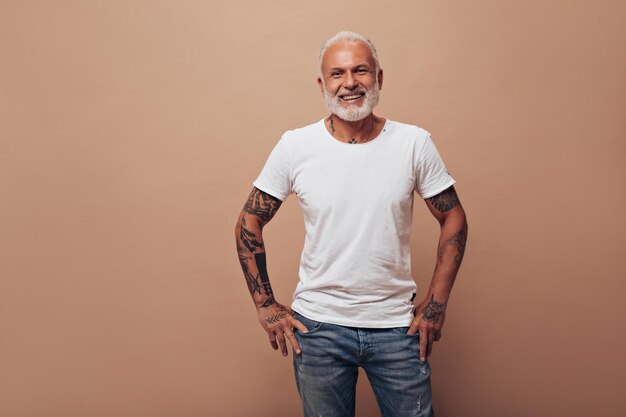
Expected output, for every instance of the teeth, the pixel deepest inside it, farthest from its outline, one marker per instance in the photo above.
(352, 97)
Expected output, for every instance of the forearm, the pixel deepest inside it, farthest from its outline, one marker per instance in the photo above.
(449, 256)
(275, 318)
(251, 251)
(430, 313)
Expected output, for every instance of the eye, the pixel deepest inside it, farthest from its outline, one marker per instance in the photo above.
(335, 74)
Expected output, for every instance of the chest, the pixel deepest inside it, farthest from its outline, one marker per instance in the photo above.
(377, 177)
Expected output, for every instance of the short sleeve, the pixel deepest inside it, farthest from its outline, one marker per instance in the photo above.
(431, 176)
(275, 177)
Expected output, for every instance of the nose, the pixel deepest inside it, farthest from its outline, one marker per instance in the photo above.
(350, 82)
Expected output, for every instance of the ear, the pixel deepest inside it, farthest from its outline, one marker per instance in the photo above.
(320, 83)
(380, 78)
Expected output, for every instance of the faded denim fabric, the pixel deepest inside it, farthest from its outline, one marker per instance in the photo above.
(326, 371)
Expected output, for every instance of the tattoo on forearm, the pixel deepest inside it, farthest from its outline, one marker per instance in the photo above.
(252, 280)
(458, 241)
(248, 238)
(250, 245)
(262, 205)
(262, 266)
(445, 200)
(259, 281)
(433, 310)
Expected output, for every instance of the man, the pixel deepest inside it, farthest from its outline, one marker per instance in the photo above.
(354, 174)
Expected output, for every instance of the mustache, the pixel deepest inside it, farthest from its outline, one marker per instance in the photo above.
(347, 92)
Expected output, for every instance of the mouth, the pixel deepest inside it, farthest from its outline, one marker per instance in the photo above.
(351, 97)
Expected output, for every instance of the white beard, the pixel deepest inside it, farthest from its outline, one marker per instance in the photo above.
(352, 112)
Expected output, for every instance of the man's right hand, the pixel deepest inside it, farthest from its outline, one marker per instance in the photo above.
(278, 322)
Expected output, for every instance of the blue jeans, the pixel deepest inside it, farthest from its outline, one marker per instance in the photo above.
(327, 369)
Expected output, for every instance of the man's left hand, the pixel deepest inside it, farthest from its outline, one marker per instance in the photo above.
(429, 317)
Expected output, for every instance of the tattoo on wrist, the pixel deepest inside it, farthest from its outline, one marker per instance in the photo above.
(445, 200)
(433, 310)
(270, 301)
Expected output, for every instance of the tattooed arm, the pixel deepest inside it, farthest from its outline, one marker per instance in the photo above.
(430, 313)
(276, 319)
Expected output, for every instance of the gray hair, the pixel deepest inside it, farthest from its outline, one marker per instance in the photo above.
(347, 36)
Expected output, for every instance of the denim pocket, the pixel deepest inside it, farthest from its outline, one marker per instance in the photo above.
(311, 325)
(410, 341)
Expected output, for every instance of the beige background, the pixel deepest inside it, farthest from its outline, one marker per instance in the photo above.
(130, 135)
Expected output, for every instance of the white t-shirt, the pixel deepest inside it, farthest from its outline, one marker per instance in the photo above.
(357, 200)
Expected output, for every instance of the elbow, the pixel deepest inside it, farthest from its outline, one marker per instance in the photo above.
(464, 226)
(463, 218)
(248, 221)
(463, 222)
(456, 218)
(238, 224)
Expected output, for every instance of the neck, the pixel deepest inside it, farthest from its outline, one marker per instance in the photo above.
(346, 131)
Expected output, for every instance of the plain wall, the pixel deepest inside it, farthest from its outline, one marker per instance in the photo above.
(131, 132)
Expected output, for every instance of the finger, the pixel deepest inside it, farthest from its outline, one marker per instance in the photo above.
(293, 341)
(281, 343)
(437, 336)
(272, 340)
(413, 328)
(423, 344)
(429, 348)
(299, 325)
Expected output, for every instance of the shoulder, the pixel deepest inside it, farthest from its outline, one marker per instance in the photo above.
(303, 132)
(410, 132)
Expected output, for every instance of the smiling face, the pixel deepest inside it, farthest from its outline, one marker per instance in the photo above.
(350, 84)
